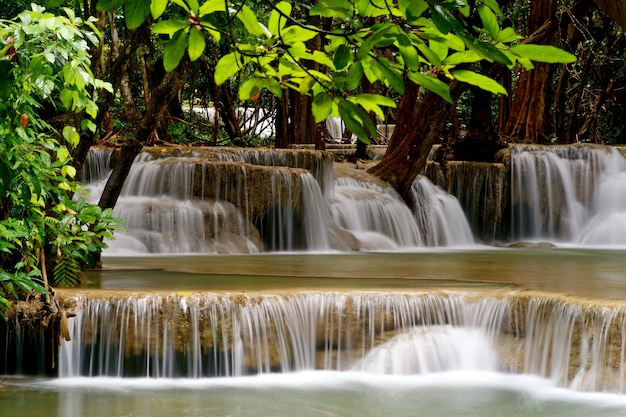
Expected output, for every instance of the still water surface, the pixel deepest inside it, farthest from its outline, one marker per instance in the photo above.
(581, 272)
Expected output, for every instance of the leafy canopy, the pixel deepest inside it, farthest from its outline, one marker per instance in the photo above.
(429, 42)
(44, 61)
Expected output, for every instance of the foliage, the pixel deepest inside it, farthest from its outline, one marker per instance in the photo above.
(429, 42)
(44, 68)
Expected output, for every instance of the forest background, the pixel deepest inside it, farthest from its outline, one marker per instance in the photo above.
(472, 76)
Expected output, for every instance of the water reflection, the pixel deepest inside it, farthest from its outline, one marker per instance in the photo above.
(580, 272)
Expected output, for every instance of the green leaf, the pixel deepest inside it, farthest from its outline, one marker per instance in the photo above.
(355, 74)
(157, 8)
(250, 88)
(68, 171)
(354, 118)
(297, 34)
(479, 80)
(372, 103)
(63, 154)
(194, 6)
(490, 21)
(508, 35)
(71, 135)
(277, 21)
(196, 44)
(543, 53)
(136, 11)
(212, 6)
(106, 5)
(66, 97)
(226, 67)
(444, 20)
(249, 20)
(369, 43)
(493, 4)
(432, 84)
(372, 8)
(487, 51)
(408, 52)
(340, 9)
(322, 106)
(174, 50)
(391, 76)
(465, 57)
(412, 9)
(342, 58)
(169, 27)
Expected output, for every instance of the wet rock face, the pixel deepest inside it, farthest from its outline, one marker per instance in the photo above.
(482, 190)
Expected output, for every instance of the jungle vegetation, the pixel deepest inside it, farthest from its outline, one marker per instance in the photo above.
(472, 74)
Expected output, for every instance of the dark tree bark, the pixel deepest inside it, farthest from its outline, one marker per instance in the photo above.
(529, 120)
(418, 127)
(165, 92)
(482, 140)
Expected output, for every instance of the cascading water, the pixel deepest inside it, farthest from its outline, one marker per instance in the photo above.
(206, 335)
(223, 201)
(569, 194)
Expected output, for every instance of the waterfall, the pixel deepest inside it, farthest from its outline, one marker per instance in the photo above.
(440, 215)
(376, 215)
(481, 189)
(231, 200)
(578, 346)
(569, 194)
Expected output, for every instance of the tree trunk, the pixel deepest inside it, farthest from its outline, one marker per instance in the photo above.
(529, 119)
(482, 140)
(164, 93)
(417, 129)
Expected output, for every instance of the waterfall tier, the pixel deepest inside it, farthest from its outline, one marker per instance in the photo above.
(577, 345)
(230, 200)
(569, 194)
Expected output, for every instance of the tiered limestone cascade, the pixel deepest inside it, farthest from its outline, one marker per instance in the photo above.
(198, 201)
(569, 194)
(482, 189)
(578, 344)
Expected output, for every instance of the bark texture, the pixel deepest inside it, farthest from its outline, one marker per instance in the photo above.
(418, 127)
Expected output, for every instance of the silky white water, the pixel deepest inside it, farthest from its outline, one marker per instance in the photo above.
(165, 212)
(570, 194)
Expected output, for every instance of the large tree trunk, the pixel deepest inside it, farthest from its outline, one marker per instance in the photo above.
(418, 127)
(529, 119)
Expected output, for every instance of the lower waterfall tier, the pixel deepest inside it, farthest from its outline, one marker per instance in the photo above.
(576, 345)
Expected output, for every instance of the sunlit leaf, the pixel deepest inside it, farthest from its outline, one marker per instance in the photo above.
(169, 27)
(322, 106)
(543, 53)
(196, 45)
(277, 19)
(479, 80)
(490, 21)
(249, 20)
(226, 67)
(212, 6)
(432, 84)
(157, 8)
